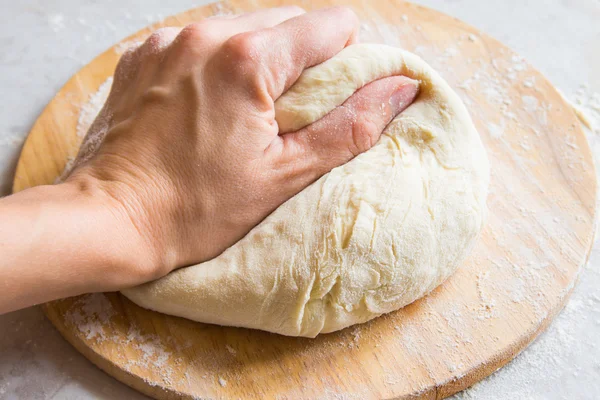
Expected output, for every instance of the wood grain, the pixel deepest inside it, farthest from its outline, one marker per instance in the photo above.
(540, 232)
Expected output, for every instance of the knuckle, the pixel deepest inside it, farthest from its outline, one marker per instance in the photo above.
(151, 45)
(364, 134)
(128, 56)
(244, 47)
(156, 42)
(156, 36)
(197, 33)
(160, 38)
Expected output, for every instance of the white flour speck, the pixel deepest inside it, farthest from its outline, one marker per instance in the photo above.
(230, 349)
(56, 22)
(90, 109)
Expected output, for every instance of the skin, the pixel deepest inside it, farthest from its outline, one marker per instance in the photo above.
(193, 157)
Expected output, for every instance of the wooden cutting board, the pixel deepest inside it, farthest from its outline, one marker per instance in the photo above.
(540, 231)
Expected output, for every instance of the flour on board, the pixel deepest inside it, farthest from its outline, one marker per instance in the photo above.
(92, 316)
(122, 47)
(90, 109)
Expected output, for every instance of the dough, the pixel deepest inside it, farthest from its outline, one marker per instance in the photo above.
(369, 237)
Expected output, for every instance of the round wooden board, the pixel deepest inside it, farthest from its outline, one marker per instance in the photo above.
(540, 231)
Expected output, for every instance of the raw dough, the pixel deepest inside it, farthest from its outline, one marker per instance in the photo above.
(369, 237)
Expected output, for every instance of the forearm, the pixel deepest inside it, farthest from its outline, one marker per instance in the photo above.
(60, 241)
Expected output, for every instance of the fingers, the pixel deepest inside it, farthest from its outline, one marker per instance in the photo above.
(262, 19)
(226, 26)
(157, 41)
(214, 31)
(301, 42)
(351, 128)
(309, 40)
(160, 39)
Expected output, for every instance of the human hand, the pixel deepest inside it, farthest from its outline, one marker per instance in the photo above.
(193, 157)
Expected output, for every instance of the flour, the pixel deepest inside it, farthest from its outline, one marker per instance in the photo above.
(92, 315)
(90, 109)
(495, 130)
(355, 332)
(374, 33)
(529, 82)
(220, 9)
(11, 141)
(56, 22)
(231, 350)
(122, 47)
(586, 105)
(546, 356)
(530, 103)
(89, 121)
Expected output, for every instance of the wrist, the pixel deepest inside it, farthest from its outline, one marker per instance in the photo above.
(123, 253)
(65, 240)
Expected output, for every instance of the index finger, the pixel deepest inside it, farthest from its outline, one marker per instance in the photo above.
(304, 41)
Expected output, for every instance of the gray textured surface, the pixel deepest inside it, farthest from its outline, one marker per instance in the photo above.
(43, 43)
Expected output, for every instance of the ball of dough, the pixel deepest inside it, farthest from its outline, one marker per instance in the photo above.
(369, 237)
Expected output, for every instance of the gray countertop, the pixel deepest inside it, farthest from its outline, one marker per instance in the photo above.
(42, 43)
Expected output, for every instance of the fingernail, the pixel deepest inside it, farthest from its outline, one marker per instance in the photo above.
(404, 94)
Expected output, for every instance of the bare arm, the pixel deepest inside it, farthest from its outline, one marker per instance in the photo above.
(63, 240)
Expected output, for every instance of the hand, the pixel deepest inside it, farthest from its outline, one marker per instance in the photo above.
(193, 158)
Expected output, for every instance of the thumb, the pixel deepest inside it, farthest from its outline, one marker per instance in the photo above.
(355, 126)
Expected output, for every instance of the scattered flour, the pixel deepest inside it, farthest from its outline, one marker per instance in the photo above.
(90, 109)
(89, 314)
(530, 103)
(11, 141)
(355, 332)
(56, 22)
(92, 314)
(220, 8)
(231, 350)
(90, 121)
(587, 107)
(122, 47)
(495, 130)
